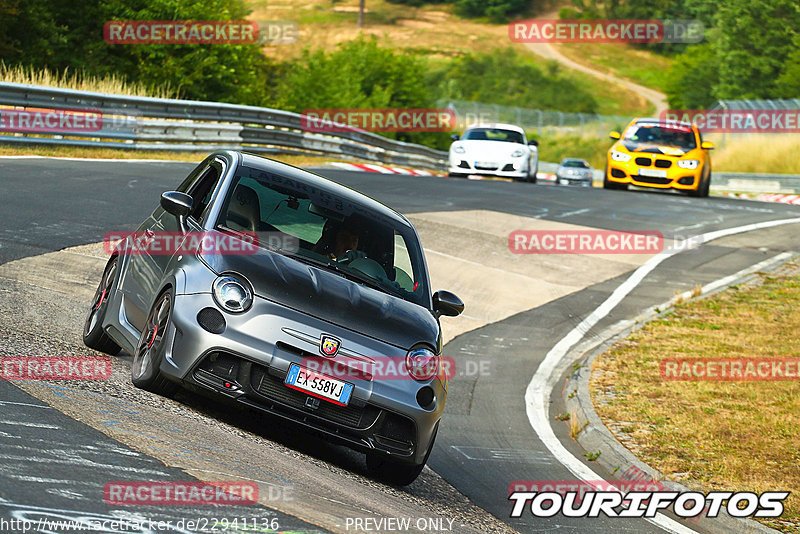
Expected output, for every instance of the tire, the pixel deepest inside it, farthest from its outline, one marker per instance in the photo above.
(149, 353)
(702, 188)
(93, 335)
(394, 472)
(607, 184)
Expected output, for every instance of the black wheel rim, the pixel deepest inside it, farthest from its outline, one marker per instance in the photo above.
(101, 296)
(152, 338)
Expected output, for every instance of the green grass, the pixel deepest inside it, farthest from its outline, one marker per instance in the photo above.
(593, 150)
(626, 61)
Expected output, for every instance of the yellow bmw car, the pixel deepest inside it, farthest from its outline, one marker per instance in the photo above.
(659, 154)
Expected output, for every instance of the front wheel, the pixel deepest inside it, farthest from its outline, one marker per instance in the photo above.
(145, 369)
(608, 184)
(394, 472)
(93, 335)
(702, 188)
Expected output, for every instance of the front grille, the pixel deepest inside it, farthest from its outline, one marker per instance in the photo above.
(663, 163)
(652, 180)
(273, 388)
(643, 162)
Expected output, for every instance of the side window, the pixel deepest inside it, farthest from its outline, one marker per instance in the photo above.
(189, 180)
(202, 190)
(403, 272)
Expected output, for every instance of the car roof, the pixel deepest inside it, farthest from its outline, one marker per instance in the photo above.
(310, 178)
(656, 120)
(496, 125)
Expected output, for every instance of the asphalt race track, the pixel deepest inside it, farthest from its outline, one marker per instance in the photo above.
(59, 444)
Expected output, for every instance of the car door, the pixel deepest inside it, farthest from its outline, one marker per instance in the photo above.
(166, 224)
(144, 270)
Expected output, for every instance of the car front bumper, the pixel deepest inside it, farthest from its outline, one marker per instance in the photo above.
(251, 358)
(512, 168)
(571, 180)
(676, 177)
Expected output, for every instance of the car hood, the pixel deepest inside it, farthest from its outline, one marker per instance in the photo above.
(650, 148)
(490, 149)
(332, 298)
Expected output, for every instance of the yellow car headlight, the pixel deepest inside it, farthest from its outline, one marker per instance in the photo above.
(620, 156)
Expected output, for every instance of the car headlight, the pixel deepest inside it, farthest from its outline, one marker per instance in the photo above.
(422, 364)
(517, 153)
(232, 293)
(620, 156)
(688, 163)
(458, 149)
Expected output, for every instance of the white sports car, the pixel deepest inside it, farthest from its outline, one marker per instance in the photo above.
(494, 149)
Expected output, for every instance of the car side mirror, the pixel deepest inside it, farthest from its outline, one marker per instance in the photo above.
(614, 135)
(533, 142)
(708, 145)
(176, 203)
(446, 303)
(455, 137)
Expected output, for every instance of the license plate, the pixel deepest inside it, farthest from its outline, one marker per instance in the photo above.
(318, 385)
(655, 173)
(485, 164)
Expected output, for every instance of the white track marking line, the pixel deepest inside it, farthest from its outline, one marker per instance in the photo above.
(31, 425)
(537, 393)
(2, 403)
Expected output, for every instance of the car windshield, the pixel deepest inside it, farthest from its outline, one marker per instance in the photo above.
(493, 134)
(320, 227)
(575, 163)
(655, 134)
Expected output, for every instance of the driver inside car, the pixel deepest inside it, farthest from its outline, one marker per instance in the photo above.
(339, 241)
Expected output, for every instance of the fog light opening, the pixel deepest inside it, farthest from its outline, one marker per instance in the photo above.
(426, 397)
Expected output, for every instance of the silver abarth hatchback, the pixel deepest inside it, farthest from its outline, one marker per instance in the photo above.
(279, 290)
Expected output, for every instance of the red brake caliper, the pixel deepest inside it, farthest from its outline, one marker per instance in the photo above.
(152, 339)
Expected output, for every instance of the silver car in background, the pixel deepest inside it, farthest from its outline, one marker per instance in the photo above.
(574, 171)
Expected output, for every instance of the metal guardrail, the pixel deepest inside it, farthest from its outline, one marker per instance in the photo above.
(142, 123)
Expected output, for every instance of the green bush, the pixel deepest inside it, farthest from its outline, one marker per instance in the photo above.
(508, 78)
(58, 34)
(360, 74)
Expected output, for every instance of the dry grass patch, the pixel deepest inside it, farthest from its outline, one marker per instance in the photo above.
(76, 80)
(759, 153)
(111, 153)
(734, 436)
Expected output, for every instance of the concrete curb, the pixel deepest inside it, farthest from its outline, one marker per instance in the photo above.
(595, 437)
